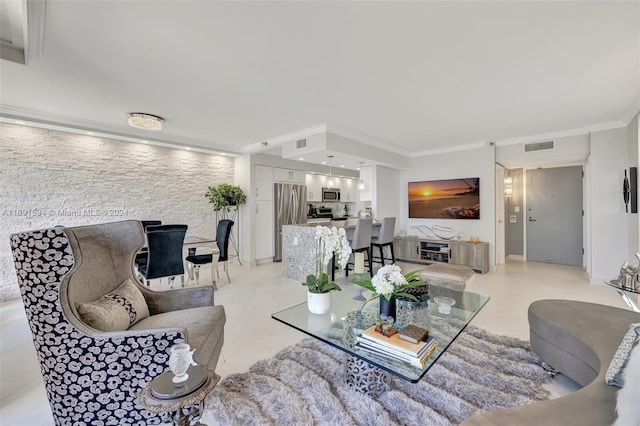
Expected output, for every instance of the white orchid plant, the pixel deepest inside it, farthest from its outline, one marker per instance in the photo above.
(389, 281)
(331, 243)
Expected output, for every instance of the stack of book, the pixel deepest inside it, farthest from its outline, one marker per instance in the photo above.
(396, 347)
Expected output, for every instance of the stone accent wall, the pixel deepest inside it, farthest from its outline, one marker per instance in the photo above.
(52, 178)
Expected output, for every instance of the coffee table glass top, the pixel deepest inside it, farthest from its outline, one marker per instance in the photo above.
(618, 284)
(347, 319)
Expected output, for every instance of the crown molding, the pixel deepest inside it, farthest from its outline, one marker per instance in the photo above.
(633, 111)
(446, 150)
(279, 140)
(599, 127)
(366, 139)
(543, 136)
(9, 114)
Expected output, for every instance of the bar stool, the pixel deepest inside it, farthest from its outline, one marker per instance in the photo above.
(384, 239)
(362, 241)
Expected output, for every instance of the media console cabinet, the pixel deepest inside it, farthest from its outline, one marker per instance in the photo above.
(423, 250)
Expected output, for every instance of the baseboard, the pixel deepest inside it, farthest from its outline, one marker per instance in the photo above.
(516, 257)
(264, 261)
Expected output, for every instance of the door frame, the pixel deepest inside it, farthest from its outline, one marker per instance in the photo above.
(500, 215)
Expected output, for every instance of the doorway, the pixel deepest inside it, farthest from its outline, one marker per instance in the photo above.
(554, 215)
(500, 214)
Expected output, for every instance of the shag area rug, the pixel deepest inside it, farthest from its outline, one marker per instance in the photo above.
(304, 384)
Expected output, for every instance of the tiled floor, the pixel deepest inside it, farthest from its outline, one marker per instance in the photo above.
(251, 334)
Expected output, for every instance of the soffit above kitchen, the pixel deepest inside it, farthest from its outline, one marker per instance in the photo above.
(417, 77)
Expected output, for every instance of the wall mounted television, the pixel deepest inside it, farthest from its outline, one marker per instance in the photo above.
(445, 199)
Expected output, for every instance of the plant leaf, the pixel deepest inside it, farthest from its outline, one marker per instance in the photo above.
(330, 287)
(408, 296)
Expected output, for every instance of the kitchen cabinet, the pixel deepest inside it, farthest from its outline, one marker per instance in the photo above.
(264, 229)
(348, 190)
(420, 250)
(289, 176)
(315, 183)
(263, 182)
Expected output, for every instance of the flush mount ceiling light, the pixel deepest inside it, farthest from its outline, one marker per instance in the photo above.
(143, 121)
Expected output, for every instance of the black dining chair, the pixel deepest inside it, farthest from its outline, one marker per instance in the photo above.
(141, 256)
(164, 256)
(223, 232)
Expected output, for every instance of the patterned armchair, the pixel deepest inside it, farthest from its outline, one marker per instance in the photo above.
(92, 376)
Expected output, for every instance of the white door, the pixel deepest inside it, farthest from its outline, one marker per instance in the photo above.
(500, 225)
(264, 182)
(554, 215)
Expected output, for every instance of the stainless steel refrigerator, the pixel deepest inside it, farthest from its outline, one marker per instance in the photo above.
(291, 209)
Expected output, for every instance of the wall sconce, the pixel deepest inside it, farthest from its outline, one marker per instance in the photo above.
(508, 187)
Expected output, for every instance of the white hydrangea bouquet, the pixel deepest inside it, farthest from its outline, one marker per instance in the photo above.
(389, 281)
(330, 243)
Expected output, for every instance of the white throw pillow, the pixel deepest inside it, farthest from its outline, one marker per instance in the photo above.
(628, 404)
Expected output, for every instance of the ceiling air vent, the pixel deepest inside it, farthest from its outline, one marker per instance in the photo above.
(301, 143)
(538, 146)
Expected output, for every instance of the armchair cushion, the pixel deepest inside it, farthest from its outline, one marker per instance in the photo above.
(115, 311)
(204, 330)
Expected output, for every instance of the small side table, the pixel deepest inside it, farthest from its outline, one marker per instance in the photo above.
(183, 403)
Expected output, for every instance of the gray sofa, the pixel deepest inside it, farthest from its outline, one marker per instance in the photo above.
(92, 375)
(578, 339)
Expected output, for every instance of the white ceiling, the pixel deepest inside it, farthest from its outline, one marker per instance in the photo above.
(415, 77)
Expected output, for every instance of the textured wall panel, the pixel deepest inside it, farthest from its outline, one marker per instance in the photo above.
(52, 178)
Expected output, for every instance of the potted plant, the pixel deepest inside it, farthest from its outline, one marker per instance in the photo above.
(330, 243)
(389, 283)
(225, 196)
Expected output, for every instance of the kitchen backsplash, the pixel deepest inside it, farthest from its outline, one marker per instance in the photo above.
(337, 209)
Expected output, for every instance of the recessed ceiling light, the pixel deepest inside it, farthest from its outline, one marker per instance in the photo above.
(143, 121)
(91, 133)
(144, 141)
(324, 162)
(301, 158)
(22, 123)
(188, 148)
(341, 165)
(223, 153)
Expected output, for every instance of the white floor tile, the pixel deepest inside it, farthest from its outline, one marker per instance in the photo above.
(250, 333)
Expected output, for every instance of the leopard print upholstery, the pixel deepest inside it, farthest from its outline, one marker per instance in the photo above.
(89, 379)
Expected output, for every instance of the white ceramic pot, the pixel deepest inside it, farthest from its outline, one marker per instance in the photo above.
(319, 303)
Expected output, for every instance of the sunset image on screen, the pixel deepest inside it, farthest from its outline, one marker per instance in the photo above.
(445, 199)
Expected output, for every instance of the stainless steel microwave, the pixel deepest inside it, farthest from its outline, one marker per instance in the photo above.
(330, 194)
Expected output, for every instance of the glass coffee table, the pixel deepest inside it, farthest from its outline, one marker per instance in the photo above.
(367, 372)
(622, 290)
